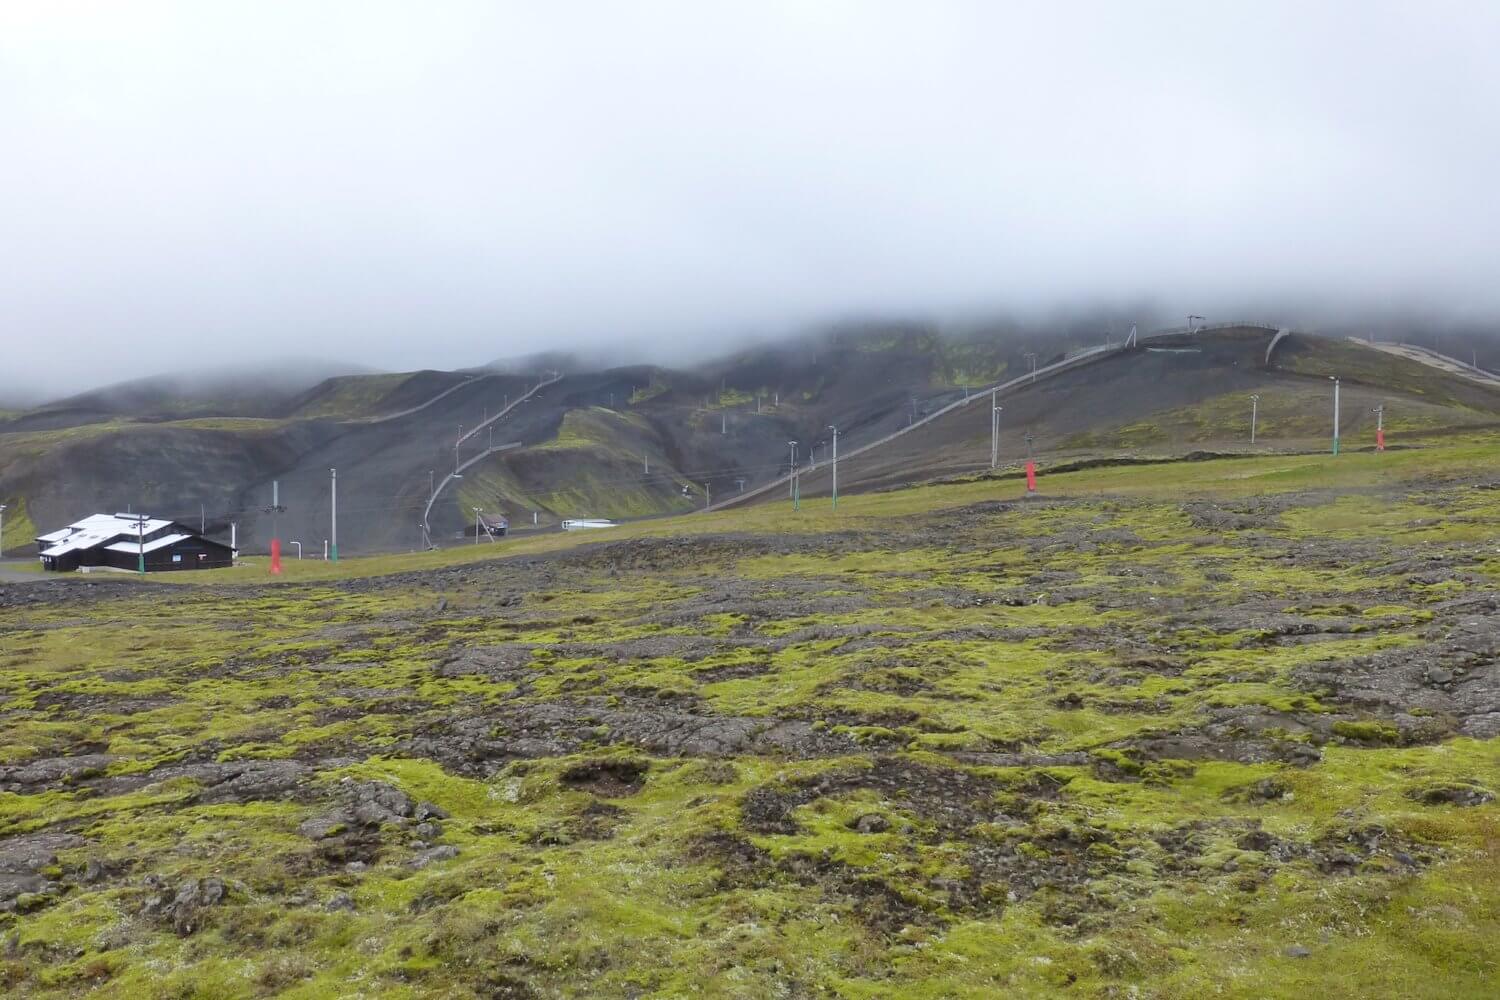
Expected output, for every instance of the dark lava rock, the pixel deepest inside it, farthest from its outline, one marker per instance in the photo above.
(427, 857)
(239, 781)
(373, 803)
(23, 883)
(1452, 794)
(870, 823)
(53, 770)
(183, 908)
(426, 810)
(607, 778)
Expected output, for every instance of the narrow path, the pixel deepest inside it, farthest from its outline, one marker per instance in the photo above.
(1442, 362)
(556, 377)
(427, 511)
(422, 406)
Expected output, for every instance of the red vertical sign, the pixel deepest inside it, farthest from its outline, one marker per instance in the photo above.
(276, 556)
(1030, 476)
(1380, 440)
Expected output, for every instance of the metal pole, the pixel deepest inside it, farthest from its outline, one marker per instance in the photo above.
(835, 465)
(275, 510)
(2, 529)
(299, 549)
(708, 499)
(476, 525)
(1254, 412)
(455, 448)
(994, 429)
(202, 520)
(1335, 413)
(333, 507)
(791, 471)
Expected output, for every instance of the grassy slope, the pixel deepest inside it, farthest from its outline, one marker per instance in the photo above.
(1289, 412)
(18, 528)
(591, 468)
(651, 909)
(1272, 474)
(347, 397)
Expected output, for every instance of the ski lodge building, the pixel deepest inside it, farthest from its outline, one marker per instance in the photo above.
(124, 541)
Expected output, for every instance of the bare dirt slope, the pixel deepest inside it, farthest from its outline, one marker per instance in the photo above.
(1179, 395)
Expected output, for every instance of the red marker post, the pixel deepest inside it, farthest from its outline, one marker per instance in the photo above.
(276, 556)
(1030, 476)
(1380, 427)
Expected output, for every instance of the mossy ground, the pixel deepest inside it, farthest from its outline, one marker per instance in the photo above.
(945, 742)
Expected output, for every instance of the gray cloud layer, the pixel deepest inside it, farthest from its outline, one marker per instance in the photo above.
(416, 184)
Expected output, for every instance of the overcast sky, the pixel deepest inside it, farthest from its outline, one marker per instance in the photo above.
(434, 184)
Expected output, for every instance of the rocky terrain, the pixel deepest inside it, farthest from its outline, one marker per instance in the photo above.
(1222, 727)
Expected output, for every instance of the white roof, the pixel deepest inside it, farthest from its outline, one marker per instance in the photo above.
(151, 546)
(97, 529)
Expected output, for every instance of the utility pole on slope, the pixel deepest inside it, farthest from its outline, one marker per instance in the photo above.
(1254, 412)
(791, 471)
(274, 510)
(333, 512)
(994, 434)
(1031, 356)
(1335, 379)
(476, 525)
(835, 465)
(2, 529)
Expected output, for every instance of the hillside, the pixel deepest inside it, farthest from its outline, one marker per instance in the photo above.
(648, 440)
(1212, 728)
(1178, 394)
